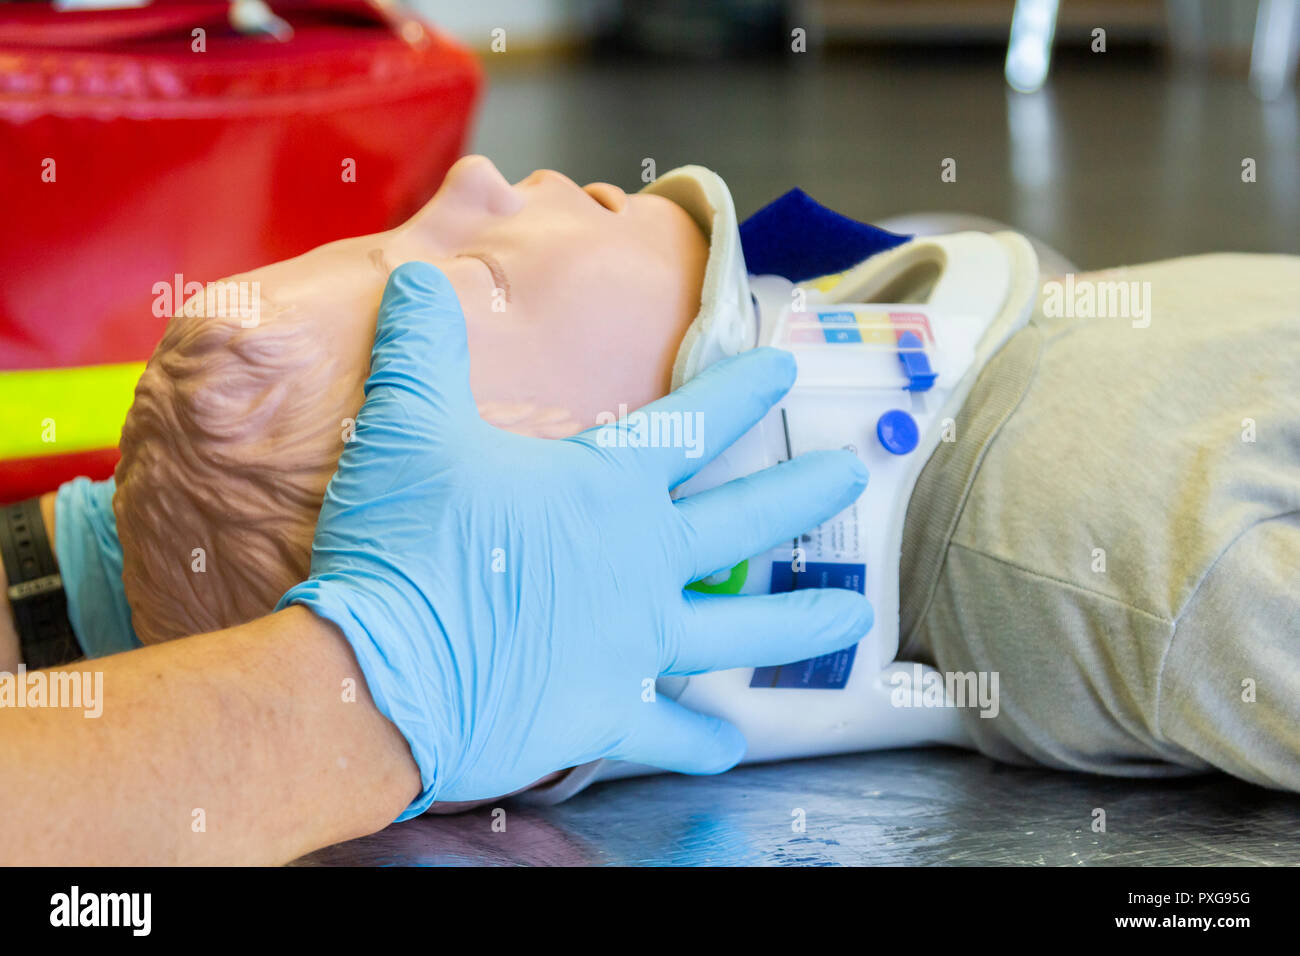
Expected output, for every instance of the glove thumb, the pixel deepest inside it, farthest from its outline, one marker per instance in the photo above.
(421, 350)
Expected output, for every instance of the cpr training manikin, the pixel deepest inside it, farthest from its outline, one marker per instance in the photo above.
(583, 305)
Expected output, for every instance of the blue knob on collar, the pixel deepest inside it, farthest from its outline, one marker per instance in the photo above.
(898, 432)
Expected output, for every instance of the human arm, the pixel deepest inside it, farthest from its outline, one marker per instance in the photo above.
(266, 728)
(548, 576)
(493, 677)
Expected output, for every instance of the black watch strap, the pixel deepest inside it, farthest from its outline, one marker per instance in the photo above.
(36, 597)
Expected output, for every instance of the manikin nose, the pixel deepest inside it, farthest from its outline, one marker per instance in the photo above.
(475, 181)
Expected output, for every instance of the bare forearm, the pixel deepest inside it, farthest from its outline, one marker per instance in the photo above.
(251, 745)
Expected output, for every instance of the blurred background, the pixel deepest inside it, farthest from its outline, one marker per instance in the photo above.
(149, 145)
(1121, 156)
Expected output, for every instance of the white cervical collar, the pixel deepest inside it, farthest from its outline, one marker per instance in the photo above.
(726, 323)
(975, 290)
(941, 271)
(964, 294)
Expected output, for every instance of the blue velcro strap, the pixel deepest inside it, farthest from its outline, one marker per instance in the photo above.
(796, 237)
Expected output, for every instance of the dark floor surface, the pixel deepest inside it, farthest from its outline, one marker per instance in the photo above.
(1121, 160)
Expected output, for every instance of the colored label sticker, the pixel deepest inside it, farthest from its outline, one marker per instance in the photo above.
(838, 336)
(806, 336)
(829, 671)
(840, 327)
(876, 328)
(917, 322)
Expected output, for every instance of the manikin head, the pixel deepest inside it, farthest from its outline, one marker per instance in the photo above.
(575, 299)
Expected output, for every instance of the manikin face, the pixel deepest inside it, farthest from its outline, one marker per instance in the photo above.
(575, 298)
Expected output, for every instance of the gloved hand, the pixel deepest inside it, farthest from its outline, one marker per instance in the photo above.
(511, 600)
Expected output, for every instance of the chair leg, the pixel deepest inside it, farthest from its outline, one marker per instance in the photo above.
(1273, 53)
(1029, 48)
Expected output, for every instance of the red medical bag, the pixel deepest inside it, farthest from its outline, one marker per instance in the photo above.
(141, 144)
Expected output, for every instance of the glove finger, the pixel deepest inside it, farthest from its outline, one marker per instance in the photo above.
(670, 736)
(749, 515)
(684, 431)
(421, 351)
(720, 632)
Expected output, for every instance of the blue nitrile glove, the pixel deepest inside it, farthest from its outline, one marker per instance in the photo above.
(90, 563)
(511, 600)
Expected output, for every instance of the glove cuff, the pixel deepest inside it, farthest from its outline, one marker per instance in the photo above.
(327, 599)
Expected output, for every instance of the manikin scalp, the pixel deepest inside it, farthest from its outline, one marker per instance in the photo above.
(226, 453)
